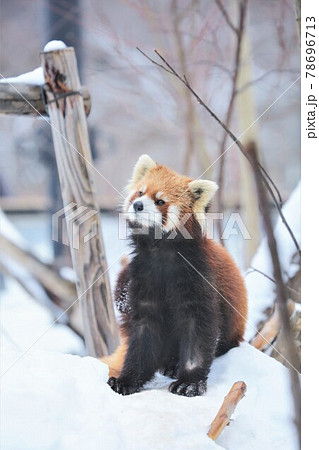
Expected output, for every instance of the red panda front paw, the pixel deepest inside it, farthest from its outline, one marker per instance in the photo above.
(188, 389)
(122, 388)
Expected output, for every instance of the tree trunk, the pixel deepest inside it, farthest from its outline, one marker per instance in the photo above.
(246, 116)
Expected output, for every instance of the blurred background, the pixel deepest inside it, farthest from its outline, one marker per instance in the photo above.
(242, 58)
(138, 108)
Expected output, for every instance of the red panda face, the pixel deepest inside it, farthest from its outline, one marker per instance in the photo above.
(158, 196)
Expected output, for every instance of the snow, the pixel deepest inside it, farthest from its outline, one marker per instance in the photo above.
(52, 400)
(25, 322)
(9, 231)
(34, 77)
(56, 401)
(54, 45)
(34, 287)
(21, 272)
(261, 291)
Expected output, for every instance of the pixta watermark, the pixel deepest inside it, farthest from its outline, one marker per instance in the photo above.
(81, 227)
(232, 225)
(74, 218)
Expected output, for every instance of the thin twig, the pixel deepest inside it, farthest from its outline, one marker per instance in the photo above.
(226, 16)
(272, 183)
(265, 75)
(154, 62)
(270, 278)
(184, 80)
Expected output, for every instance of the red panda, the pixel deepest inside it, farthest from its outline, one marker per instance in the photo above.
(182, 298)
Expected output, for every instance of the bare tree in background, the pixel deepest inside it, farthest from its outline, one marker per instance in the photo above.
(238, 31)
(149, 112)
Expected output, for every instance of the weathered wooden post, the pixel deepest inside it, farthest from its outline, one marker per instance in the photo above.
(73, 155)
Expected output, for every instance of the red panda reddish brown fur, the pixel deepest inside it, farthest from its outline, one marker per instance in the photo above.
(183, 300)
(116, 360)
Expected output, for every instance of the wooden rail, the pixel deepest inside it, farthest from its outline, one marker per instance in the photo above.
(23, 98)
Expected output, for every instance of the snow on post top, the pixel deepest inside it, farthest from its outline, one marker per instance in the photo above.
(54, 45)
(36, 76)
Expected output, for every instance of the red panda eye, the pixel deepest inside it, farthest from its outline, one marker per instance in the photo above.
(159, 202)
(140, 193)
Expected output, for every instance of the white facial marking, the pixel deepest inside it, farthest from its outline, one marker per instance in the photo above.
(143, 188)
(150, 214)
(172, 218)
(126, 203)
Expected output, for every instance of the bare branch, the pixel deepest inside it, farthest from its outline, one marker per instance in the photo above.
(226, 16)
(265, 75)
(155, 62)
(271, 279)
(272, 183)
(184, 80)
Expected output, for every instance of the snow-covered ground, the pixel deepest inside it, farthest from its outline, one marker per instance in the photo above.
(54, 399)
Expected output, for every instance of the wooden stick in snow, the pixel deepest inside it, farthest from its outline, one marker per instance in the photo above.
(225, 412)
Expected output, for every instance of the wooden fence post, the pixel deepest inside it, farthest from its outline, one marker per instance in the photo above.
(73, 155)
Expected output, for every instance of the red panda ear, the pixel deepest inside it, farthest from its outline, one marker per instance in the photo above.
(143, 165)
(203, 191)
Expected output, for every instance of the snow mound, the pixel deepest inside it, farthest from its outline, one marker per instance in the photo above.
(55, 401)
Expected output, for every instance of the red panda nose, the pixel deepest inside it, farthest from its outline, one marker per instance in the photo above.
(138, 206)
